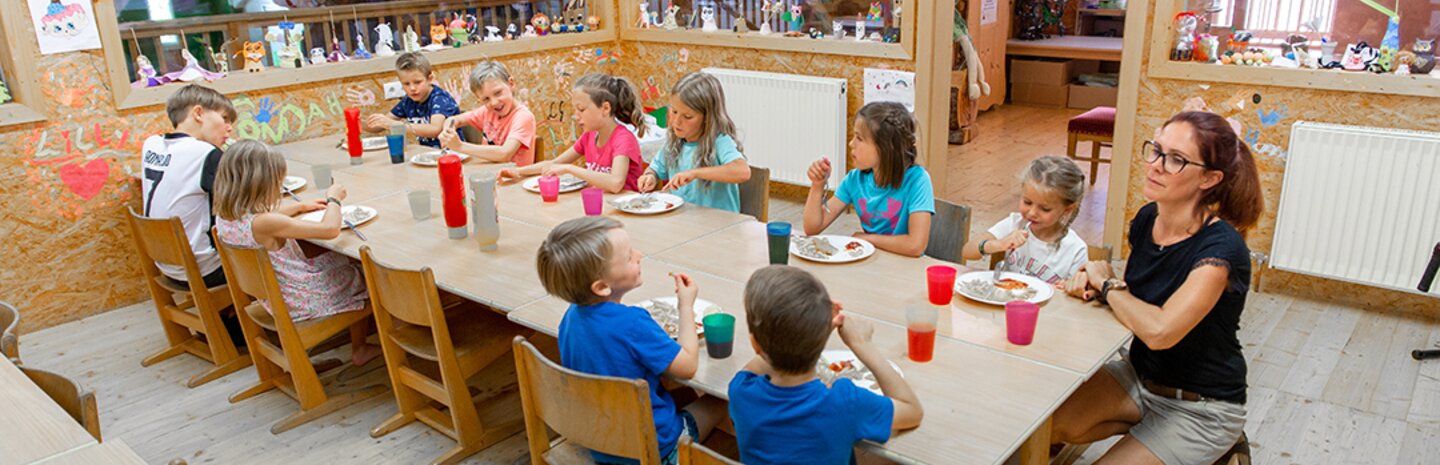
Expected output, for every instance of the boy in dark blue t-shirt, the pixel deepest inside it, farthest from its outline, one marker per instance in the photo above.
(589, 262)
(783, 413)
(425, 106)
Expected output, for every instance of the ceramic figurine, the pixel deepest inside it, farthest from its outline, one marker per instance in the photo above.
(877, 13)
(336, 54)
(1404, 61)
(317, 56)
(438, 34)
(1384, 61)
(1327, 54)
(1392, 34)
(741, 26)
(592, 23)
(541, 23)
(556, 25)
(1183, 48)
(794, 19)
(384, 40)
(360, 52)
(670, 22)
(192, 71)
(492, 34)
(1292, 44)
(529, 31)
(575, 16)
(145, 73)
(815, 33)
(1359, 56)
(512, 32)
(643, 21)
(768, 10)
(412, 40)
(1424, 56)
(707, 19)
(289, 55)
(254, 53)
(459, 31)
(1240, 41)
(859, 28)
(837, 29)
(895, 10)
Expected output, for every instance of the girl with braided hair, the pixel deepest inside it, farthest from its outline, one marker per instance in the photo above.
(612, 153)
(1038, 240)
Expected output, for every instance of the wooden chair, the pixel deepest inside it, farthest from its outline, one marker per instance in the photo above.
(949, 231)
(607, 414)
(755, 194)
(287, 367)
(1096, 126)
(1095, 252)
(75, 399)
(697, 454)
(412, 321)
(190, 311)
(9, 341)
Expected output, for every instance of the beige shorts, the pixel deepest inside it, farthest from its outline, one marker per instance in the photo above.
(1180, 432)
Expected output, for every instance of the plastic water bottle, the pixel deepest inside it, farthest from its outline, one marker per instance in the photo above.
(485, 211)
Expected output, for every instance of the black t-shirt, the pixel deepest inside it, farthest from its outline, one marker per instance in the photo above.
(1208, 360)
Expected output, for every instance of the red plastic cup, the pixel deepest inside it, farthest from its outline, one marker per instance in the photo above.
(594, 199)
(920, 332)
(1020, 317)
(549, 188)
(941, 279)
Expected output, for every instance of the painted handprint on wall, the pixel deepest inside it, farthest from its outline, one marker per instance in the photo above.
(264, 110)
(360, 97)
(1272, 118)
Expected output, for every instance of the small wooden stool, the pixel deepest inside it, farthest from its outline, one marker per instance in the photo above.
(1096, 126)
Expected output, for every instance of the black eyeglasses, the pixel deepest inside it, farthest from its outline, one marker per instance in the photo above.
(1173, 163)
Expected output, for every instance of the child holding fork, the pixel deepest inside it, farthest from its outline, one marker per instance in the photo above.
(701, 161)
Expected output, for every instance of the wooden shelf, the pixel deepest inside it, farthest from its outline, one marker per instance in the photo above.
(1073, 47)
(1102, 12)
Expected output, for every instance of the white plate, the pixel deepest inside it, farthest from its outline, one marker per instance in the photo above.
(702, 307)
(433, 158)
(840, 355)
(367, 144)
(663, 203)
(1043, 290)
(359, 214)
(294, 183)
(844, 255)
(568, 183)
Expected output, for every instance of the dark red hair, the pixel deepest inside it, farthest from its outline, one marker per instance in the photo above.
(1237, 199)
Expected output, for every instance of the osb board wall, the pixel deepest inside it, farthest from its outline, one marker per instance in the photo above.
(656, 67)
(1266, 127)
(66, 184)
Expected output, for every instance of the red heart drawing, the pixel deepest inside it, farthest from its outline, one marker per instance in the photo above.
(86, 181)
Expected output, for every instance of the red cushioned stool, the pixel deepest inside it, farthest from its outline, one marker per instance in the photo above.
(1096, 126)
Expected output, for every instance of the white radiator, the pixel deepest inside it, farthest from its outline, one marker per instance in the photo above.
(787, 121)
(1359, 204)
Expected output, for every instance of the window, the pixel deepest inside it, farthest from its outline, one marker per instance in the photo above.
(784, 16)
(1271, 21)
(20, 101)
(1342, 21)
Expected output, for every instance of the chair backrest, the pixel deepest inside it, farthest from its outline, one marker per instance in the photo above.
(949, 230)
(408, 295)
(251, 277)
(75, 399)
(472, 134)
(1101, 252)
(755, 194)
(9, 338)
(602, 413)
(697, 454)
(163, 240)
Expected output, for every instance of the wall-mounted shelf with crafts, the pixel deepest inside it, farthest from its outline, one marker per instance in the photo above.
(320, 44)
(1325, 52)
(20, 98)
(809, 27)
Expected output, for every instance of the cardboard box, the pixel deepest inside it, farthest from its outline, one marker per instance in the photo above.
(1039, 94)
(1086, 97)
(1049, 71)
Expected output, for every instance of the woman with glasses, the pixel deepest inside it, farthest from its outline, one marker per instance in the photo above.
(1179, 394)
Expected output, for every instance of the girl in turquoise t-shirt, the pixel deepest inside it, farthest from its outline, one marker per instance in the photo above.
(701, 161)
(890, 192)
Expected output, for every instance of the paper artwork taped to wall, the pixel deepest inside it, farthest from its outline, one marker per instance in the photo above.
(64, 25)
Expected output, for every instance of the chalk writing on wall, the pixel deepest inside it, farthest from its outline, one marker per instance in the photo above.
(271, 121)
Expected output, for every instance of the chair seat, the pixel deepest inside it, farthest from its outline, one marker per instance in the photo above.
(1099, 121)
(170, 284)
(476, 332)
(262, 317)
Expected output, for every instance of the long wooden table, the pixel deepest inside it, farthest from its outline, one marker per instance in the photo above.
(984, 398)
(33, 428)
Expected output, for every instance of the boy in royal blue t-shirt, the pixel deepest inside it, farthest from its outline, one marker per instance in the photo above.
(783, 413)
(425, 106)
(589, 262)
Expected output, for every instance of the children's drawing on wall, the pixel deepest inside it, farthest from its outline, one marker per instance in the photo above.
(64, 25)
(297, 117)
(888, 85)
(360, 97)
(1273, 117)
(83, 166)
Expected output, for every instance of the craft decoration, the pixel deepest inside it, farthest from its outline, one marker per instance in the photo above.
(529, 31)
(837, 29)
(192, 71)
(1392, 34)
(1034, 16)
(459, 30)
(741, 26)
(438, 34)
(492, 34)
(336, 54)
(1424, 56)
(815, 33)
(975, 77)
(1359, 56)
(643, 21)
(1327, 54)
(574, 16)
(145, 75)
(593, 23)
(289, 42)
(1404, 61)
(360, 52)
(707, 19)
(768, 10)
(859, 28)
(384, 40)
(1292, 43)
(4, 93)
(317, 56)
(541, 23)
(254, 53)
(1240, 41)
(1183, 48)
(670, 22)
(411, 39)
(794, 19)
(511, 32)
(877, 13)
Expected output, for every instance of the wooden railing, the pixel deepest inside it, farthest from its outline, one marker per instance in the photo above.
(160, 40)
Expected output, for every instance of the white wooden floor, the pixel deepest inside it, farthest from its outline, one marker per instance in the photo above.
(1327, 385)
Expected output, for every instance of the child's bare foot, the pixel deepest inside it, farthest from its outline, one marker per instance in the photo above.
(364, 354)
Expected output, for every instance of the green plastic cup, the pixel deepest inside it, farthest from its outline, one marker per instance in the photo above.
(719, 334)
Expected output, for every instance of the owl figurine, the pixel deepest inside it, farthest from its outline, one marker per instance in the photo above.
(1424, 56)
(707, 19)
(794, 19)
(317, 56)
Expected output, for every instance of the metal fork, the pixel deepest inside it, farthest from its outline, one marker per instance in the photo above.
(999, 268)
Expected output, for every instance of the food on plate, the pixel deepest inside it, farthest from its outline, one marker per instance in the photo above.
(852, 370)
(815, 247)
(1006, 290)
(1011, 284)
(668, 316)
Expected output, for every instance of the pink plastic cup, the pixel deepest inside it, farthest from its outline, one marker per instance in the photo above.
(1020, 317)
(941, 281)
(594, 198)
(549, 188)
